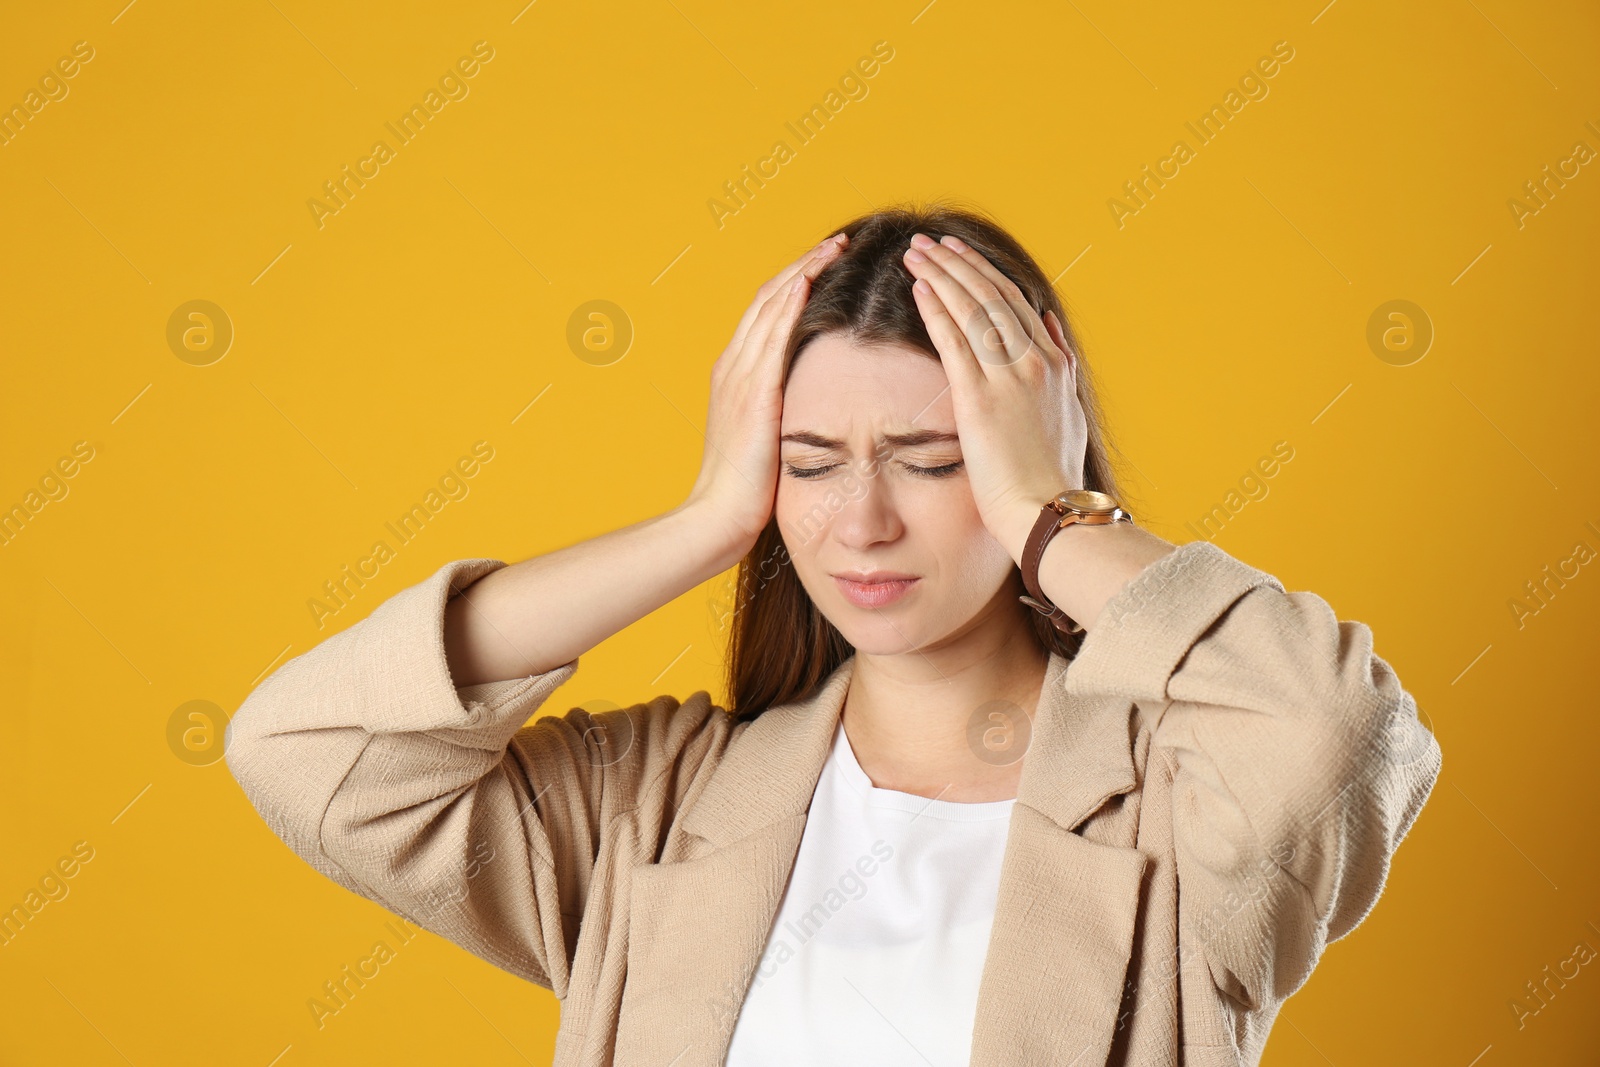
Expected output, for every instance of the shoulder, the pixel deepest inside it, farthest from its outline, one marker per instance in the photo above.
(647, 738)
(649, 756)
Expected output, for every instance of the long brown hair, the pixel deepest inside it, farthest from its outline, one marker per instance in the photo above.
(781, 647)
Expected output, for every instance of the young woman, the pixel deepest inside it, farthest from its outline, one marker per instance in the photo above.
(1004, 779)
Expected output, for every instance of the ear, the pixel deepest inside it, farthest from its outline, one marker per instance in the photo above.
(1059, 336)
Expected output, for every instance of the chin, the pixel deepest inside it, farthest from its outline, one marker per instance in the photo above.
(879, 644)
(881, 637)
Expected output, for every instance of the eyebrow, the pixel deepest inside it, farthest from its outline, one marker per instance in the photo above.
(901, 440)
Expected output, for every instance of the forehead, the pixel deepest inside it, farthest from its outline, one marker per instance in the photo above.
(838, 387)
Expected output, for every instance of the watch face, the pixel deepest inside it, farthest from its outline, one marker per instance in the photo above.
(1088, 500)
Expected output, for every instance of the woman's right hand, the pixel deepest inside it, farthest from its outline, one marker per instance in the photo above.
(738, 479)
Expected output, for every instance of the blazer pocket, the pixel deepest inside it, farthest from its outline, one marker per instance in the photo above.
(696, 930)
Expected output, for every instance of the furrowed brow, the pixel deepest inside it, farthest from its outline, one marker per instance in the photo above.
(912, 439)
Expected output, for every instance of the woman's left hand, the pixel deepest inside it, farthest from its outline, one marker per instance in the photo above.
(1013, 384)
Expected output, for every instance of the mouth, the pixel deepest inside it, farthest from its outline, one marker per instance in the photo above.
(876, 589)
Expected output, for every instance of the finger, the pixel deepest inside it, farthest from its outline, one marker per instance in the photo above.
(814, 260)
(987, 323)
(822, 252)
(787, 314)
(832, 249)
(776, 317)
(960, 364)
(1014, 297)
(993, 325)
(1058, 335)
(762, 347)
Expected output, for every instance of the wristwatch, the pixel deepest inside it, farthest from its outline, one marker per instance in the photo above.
(1085, 506)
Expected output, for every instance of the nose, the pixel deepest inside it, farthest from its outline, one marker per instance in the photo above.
(868, 514)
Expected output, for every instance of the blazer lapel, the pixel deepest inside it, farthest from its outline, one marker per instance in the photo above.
(1053, 980)
(1064, 921)
(697, 928)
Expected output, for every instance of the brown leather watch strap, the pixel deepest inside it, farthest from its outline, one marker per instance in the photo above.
(1045, 527)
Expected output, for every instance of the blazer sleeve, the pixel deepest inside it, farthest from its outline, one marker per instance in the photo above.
(1298, 761)
(440, 804)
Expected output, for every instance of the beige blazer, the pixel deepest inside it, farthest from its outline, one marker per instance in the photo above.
(1212, 794)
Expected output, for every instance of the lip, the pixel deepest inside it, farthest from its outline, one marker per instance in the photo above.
(885, 588)
(874, 577)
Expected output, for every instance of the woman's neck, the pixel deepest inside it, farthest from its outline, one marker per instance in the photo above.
(946, 723)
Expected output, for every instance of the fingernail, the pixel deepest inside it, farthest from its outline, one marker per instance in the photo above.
(922, 240)
(953, 242)
(916, 257)
(840, 238)
(794, 286)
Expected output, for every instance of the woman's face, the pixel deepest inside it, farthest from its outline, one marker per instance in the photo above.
(880, 501)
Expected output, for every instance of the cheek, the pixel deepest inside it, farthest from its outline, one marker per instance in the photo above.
(802, 515)
(972, 563)
(793, 500)
(951, 513)
(977, 560)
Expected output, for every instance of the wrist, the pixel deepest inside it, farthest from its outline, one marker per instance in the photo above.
(1017, 523)
(701, 526)
(1019, 514)
(1093, 563)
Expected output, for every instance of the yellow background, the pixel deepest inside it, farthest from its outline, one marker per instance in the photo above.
(369, 354)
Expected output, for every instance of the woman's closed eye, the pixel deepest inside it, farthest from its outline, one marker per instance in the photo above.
(929, 472)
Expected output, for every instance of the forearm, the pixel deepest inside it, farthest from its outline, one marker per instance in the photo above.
(536, 615)
(1085, 566)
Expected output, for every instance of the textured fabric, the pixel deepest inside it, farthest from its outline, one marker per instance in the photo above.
(878, 945)
(1212, 794)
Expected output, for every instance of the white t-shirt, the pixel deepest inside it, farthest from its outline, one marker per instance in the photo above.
(878, 944)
